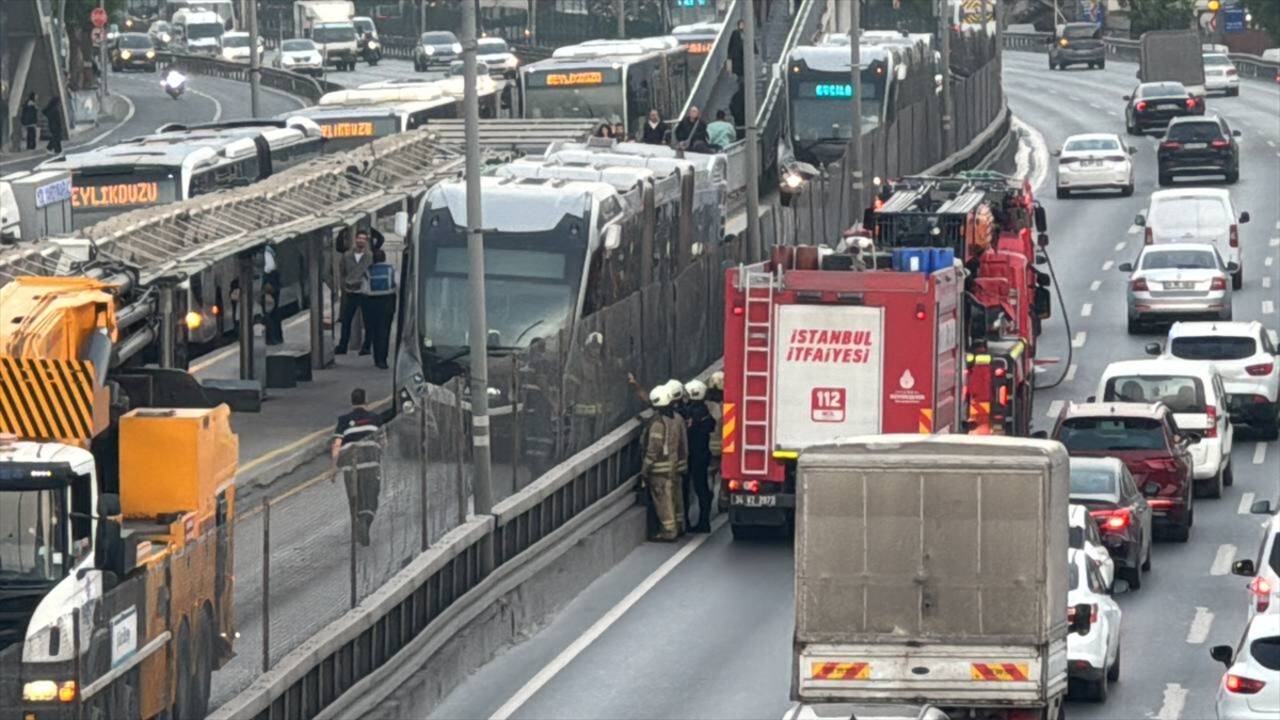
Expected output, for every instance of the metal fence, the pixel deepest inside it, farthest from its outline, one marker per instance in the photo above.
(1127, 50)
(302, 86)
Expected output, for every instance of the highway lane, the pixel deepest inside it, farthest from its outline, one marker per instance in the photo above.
(711, 637)
(206, 100)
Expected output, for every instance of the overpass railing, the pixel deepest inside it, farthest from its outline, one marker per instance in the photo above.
(303, 86)
(1127, 50)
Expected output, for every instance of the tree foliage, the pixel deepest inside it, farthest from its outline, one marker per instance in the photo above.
(76, 20)
(1147, 15)
(1266, 16)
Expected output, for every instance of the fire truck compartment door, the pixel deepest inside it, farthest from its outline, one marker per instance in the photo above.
(828, 368)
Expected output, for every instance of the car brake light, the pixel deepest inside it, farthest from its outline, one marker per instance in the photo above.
(1242, 685)
(752, 486)
(1139, 285)
(1141, 106)
(1212, 412)
(1148, 237)
(1232, 71)
(1219, 143)
(1234, 237)
(1170, 145)
(1112, 520)
(1191, 103)
(1218, 284)
(1260, 370)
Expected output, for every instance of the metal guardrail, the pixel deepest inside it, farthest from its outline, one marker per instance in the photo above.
(713, 65)
(287, 81)
(1127, 50)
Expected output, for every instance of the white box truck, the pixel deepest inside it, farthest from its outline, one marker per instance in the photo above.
(932, 571)
(329, 24)
(1174, 56)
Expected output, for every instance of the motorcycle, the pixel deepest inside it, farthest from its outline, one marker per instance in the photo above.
(175, 83)
(370, 50)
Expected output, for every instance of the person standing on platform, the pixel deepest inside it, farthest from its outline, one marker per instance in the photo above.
(380, 307)
(353, 270)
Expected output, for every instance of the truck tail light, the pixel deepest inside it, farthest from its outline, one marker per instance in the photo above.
(1260, 370)
(1191, 103)
(1112, 520)
(1148, 237)
(1212, 413)
(1261, 590)
(1004, 395)
(1218, 284)
(1242, 685)
(1141, 106)
(1170, 145)
(1139, 285)
(1234, 237)
(1219, 143)
(752, 486)
(735, 485)
(738, 310)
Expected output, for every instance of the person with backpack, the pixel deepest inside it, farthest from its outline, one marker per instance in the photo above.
(380, 307)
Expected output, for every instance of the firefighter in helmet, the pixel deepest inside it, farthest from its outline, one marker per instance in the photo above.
(715, 405)
(700, 426)
(666, 453)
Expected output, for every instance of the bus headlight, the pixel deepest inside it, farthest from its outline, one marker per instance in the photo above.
(194, 320)
(48, 691)
(793, 180)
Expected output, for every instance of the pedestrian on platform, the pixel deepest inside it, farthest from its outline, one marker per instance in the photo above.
(272, 326)
(358, 424)
(53, 124)
(654, 131)
(665, 459)
(721, 133)
(380, 307)
(737, 60)
(700, 425)
(353, 271)
(29, 119)
(357, 453)
(603, 130)
(692, 130)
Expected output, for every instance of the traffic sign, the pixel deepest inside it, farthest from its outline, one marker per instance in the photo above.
(98, 17)
(99, 34)
(1233, 20)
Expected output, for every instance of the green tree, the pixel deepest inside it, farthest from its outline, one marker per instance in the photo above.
(1147, 15)
(1266, 16)
(75, 19)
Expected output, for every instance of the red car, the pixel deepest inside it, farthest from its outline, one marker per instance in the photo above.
(1148, 441)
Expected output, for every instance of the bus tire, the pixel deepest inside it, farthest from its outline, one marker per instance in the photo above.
(182, 700)
(202, 668)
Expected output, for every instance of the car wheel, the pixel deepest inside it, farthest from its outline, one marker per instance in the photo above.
(1063, 193)
(1135, 326)
(1165, 179)
(1237, 279)
(1134, 577)
(1233, 92)
(1113, 672)
(1214, 489)
(1228, 475)
(1180, 533)
(1233, 177)
(1127, 190)
(1097, 691)
(1102, 64)
(1146, 563)
(1270, 430)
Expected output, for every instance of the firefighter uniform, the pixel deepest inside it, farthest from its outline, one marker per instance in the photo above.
(666, 452)
(701, 425)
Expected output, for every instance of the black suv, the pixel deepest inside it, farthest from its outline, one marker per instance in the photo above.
(439, 47)
(1077, 44)
(1153, 105)
(1199, 146)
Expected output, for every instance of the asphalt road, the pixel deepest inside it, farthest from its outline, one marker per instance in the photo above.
(711, 636)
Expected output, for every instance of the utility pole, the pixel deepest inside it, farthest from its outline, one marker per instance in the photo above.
(944, 29)
(999, 18)
(753, 133)
(483, 488)
(255, 59)
(104, 64)
(621, 10)
(422, 16)
(855, 128)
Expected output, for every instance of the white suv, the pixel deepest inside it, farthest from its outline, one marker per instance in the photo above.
(1194, 391)
(1244, 354)
(1249, 690)
(1084, 536)
(1196, 214)
(1264, 572)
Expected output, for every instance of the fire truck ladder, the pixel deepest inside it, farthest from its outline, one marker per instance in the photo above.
(757, 368)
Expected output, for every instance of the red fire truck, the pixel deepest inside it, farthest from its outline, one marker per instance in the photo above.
(938, 336)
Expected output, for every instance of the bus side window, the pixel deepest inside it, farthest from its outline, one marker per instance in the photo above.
(203, 182)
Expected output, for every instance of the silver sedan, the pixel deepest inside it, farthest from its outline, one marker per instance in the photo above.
(1176, 281)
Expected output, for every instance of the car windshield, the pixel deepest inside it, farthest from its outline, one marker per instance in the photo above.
(135, 41)
(235, 41)
(1182, 394)
(31, 534)
(364, 25)
(1194, 132)
(1266, 652)
(1091, 144)
(334, 34)
(1179, 260)
(1219, 60)
(1076, 32)
(1159, 90)
(1091, 481)
(491, 46)
(438, 38)
(1189, 214)
(1213, 347)
(297, 46)
(1112, 433)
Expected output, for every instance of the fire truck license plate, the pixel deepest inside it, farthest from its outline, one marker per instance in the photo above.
(827, 405)
(753, 500)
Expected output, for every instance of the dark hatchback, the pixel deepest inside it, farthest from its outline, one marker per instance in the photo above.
(1105, 487)
(1077, 44)
(1147, 440)
(1199, 146)
(1154, 105)
(133, 51)
(438, 47)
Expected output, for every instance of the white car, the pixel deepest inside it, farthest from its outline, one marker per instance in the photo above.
(1194, 391)
(494, 52)
(1097, 161)
(1244, 354)
(301, 56)
(1084, 536)
(1197, 215)
(1264, 572)
(1250, 689)
(1220, 74)
(1093, 659)
(235, 47)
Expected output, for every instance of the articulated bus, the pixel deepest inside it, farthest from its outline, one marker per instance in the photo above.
(351, 118)
(697, 39)
(819, 93)
(609, 80)
(489, 89)
(179, 162)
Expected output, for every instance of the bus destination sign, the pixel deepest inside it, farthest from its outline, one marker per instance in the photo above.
(834, 91)
(347, 130)
(115, 195)
(575, 78)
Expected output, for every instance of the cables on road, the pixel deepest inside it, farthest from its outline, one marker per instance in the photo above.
(1066, 322)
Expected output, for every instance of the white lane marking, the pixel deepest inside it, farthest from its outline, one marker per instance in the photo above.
(217, 106)
(1079, 340)
(1268, 261)
(1135, 229)
(1266, 281)
(1268, 307)
(1246, 502)
(1199, 630)
(1120, 246)
(1175, 699)
(595, 631)
(1222, 561)
(1275, 242)
(1272, 143)
(1113, 113)
(1039, 152)
(1086, 310)
(1106, 266)
(1071, 372)
(1093, 286)
(1055, 408)
(1259, 453)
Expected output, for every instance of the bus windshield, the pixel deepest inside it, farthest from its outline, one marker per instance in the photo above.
(333, 33)
(601, 102)
(820, 105)
(95, 197)
(200, 31)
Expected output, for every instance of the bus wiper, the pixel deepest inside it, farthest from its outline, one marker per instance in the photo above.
(524, 332)
(813, 143)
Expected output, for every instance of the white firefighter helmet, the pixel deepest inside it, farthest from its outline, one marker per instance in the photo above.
(716, 381)
(660, 397)
(695, 390)
(676, 388)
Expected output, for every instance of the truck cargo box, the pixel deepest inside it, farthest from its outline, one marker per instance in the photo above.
(1174, 56)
